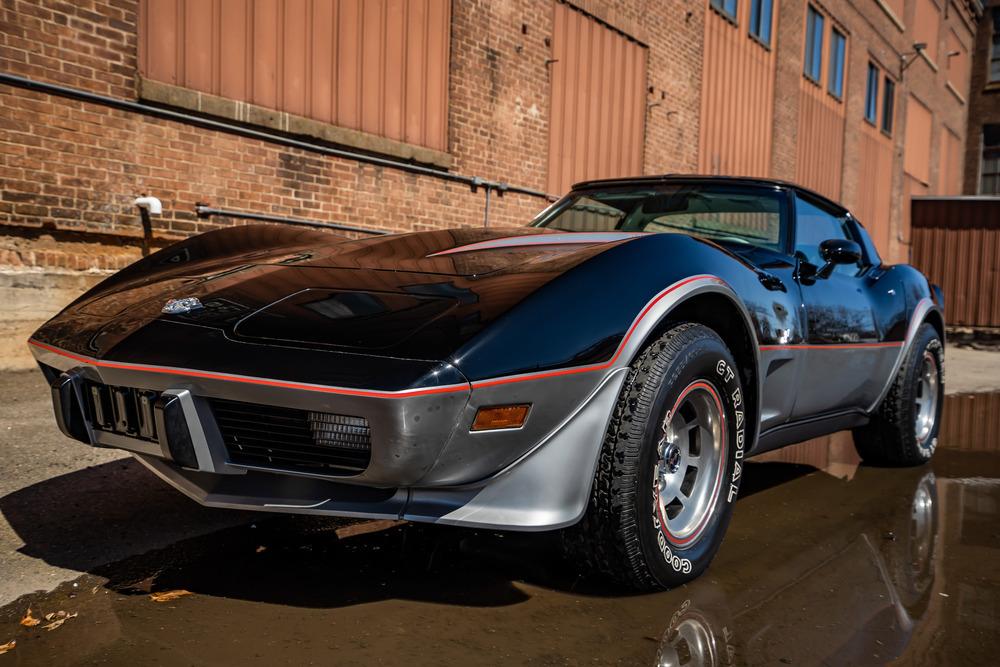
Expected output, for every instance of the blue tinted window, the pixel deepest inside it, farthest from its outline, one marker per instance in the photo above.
(727, 7)
(835, 78)
(760, 20)
(871, 94)
(888, 104)
(814, 44)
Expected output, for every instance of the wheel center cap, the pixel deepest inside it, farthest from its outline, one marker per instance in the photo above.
(672, 457)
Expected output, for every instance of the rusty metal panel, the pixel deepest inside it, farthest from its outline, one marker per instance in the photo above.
(737, 97)
(874, 205)
(956, 242)
(380, 66)
(917, 145)
(598, 104)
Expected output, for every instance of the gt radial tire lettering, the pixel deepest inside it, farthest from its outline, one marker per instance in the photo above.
(727, 375)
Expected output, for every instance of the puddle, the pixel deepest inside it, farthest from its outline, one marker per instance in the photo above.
(825, 562)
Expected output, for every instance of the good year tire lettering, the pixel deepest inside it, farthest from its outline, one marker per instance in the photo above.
(682, 565)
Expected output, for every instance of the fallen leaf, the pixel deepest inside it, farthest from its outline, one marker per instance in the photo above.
(168, 596)
(59, 617)
(9, 646)
(29, 621)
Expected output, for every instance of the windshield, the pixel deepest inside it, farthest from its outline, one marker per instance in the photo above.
(733, 214)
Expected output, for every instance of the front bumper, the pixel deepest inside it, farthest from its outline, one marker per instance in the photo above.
(425, 463)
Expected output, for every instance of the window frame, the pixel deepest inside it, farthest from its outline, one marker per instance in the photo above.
(813, 57)
(837, 64)
(993, 52)
(887, 120)
(719, 6)
(782, 194)
(834, 211)
(871, 95)
(984, 149)
(757, 26)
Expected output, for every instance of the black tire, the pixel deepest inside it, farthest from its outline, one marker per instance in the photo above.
(891, 438)
(621, 535)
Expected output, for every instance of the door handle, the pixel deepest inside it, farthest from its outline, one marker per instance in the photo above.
(771, 281)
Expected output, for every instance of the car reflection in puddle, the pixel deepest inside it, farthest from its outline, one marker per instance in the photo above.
(825, 562)
(894, 564)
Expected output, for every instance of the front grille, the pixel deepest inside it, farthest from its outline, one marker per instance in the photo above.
(267, 436)
(122, 410)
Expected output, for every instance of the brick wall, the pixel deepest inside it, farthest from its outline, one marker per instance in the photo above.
(71, 169)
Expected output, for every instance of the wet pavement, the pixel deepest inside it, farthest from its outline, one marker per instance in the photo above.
(825, 562)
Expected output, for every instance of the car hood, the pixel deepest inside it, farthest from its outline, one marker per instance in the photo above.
(418, 295)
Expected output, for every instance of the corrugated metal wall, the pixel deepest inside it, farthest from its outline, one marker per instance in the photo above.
(379, 66)
(820, 155)
(598, 109)
(971, 422)
(956, 242)
(820, 149)
(874, 206)
(737, 97)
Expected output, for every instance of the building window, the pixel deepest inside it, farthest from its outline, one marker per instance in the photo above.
(989, 171)
(871, 94)
(814, 44)
(994, 73)
(760, 20)
(725, 7)
(888, 104)
(835, 77)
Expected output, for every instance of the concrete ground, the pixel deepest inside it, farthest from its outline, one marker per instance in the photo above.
(66, 508)
(968, 370)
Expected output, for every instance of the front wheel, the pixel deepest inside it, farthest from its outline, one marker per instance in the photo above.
(903, 430)
(670, 466)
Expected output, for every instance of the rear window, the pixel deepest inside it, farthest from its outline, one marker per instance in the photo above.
(737, 215)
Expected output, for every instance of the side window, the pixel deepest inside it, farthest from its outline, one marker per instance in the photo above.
(813, 225)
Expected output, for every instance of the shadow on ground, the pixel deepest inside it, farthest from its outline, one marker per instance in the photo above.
(88, 518)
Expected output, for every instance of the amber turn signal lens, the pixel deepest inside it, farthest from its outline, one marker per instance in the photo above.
(500, 416)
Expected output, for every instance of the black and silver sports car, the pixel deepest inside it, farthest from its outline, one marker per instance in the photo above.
(605, 369)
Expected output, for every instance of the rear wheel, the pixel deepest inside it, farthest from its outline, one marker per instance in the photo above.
(904, 429)
(670, 467)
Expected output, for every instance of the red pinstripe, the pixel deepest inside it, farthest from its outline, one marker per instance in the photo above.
(373, 393)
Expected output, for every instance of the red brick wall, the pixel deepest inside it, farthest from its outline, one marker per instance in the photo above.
(75, 167)
(69, 170)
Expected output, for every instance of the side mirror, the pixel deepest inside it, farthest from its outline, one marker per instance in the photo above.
(837, 251)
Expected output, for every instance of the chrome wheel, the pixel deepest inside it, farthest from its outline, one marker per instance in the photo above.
(692, 642)
(688, 470)
(921, 528)
(928, 395)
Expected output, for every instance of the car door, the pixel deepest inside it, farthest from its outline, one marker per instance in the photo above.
(845, 360)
